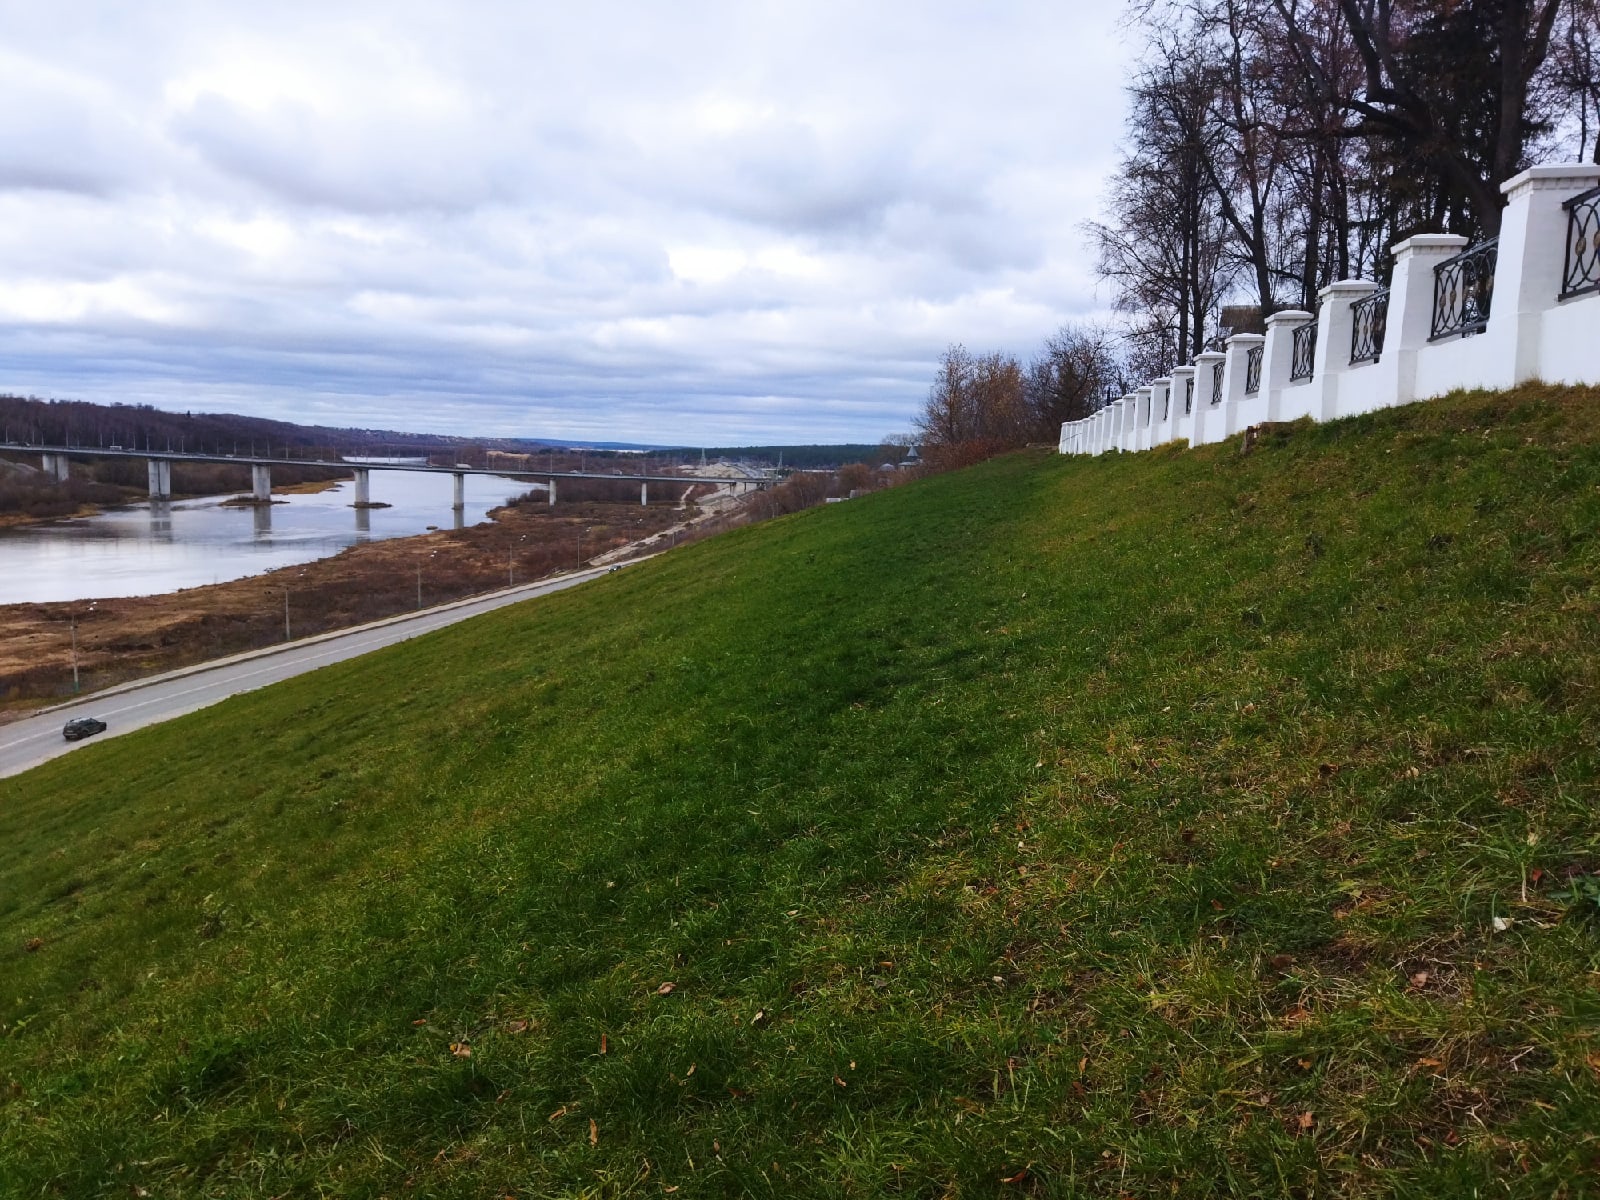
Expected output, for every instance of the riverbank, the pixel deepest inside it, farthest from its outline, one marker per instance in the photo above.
(124, 638)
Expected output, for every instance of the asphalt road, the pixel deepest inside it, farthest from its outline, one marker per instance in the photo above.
(33, 740)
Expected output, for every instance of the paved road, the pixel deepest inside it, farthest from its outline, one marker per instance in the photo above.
(31, 741)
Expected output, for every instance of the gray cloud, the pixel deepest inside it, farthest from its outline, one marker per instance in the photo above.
(714, 223)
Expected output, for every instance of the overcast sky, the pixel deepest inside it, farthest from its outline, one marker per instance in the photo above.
(701, 222)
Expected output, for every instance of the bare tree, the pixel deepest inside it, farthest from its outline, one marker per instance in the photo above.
(975, 409)
(1071, 377)
(1164, 243)
(1574, 81)
(1449, 87)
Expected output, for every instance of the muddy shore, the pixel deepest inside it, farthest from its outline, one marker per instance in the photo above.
(129, 637)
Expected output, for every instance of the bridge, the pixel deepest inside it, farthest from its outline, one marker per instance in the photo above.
(55, 461)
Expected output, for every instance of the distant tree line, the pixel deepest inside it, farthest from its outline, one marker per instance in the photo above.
(982, 405)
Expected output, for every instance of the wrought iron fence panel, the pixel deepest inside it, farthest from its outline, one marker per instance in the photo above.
(1369, 318)
(1216, 381)
(1188, 394)
(1252, 371)
(1303, 362)
(1463, 287)
(1582, 271)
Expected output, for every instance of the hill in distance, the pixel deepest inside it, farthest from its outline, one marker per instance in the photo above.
(1184, 823)
(81, 423)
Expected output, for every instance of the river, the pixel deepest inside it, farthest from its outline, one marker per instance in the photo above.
(156, 547)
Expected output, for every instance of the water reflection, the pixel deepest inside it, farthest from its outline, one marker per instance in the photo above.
(162, 546)
(161, 520)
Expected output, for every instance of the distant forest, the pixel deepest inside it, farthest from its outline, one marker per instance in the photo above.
(142, 427)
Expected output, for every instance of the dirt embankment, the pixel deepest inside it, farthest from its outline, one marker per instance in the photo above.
(127, 638)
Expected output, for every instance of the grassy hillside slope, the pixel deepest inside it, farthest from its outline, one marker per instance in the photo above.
(1129, 826)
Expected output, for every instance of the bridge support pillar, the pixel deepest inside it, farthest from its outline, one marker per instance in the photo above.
(363, 488)
(261, 481)
(644, 495)
(160, 473)
(458, 499)
(56, 467)
(552, 493)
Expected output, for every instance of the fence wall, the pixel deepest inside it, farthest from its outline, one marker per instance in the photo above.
(1525, 305)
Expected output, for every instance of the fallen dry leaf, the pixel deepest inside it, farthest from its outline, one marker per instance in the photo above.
(594, 1133)
(605, 1046)
(558, 1114)
(1306, 1120)
(759, 1018)
(1501, 924)
(461, 1049)
(689, 1072)
(666, 989)
(840, 1082)
(420, 1021)
(1017, 1178)
(33, 944)
(517, 1026)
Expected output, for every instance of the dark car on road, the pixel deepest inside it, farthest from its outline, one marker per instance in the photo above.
(82, 727)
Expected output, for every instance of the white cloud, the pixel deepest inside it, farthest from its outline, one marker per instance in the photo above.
(704, 222)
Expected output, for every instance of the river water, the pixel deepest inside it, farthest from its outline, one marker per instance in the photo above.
(155, 547)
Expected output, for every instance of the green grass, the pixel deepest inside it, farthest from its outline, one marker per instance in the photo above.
(1127, 826)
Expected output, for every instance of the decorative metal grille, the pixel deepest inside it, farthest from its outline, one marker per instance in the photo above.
(1188, 394)
(1216, 381)
(1303, 362)
(1463, 286)
(1252, 370)
(1166, 402)
(1369, 318)
(1582, 273)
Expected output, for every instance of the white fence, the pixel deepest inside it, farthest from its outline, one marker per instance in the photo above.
(1523, 306)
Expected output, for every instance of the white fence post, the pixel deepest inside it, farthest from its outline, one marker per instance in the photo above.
(1410, 317)
(1532, 255)
(1334, 339)
(1183, 404)
(1233, 379)
(1160, 410)
(1207, 416)
(1277, 355)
